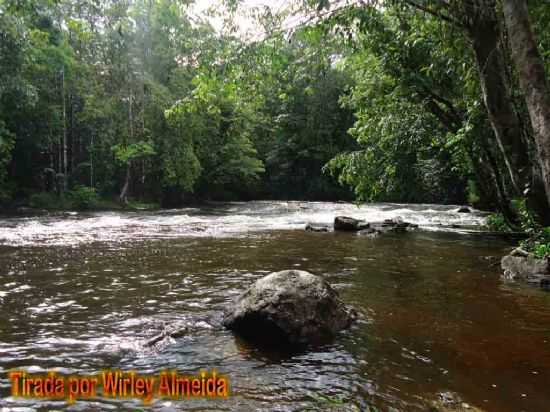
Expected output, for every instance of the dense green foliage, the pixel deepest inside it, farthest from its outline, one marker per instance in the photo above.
(539, 243)
(407, 152)
(137, 99)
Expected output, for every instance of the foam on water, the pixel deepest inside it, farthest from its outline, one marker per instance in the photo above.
(216, 220)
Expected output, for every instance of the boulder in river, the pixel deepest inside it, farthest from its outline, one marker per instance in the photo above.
(527, 268)
(349, 224)
(291, 306)
(464, 209)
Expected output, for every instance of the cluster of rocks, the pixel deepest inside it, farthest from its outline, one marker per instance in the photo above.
(364, 228)
(522, 266)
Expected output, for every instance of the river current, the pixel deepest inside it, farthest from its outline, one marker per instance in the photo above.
(82, 292)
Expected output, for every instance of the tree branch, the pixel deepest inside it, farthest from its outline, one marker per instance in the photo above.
(435, 13)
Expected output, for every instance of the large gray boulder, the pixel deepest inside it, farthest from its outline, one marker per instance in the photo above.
(292, 306)
(526, 268)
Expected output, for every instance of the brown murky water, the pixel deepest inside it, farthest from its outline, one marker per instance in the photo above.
(80, 293)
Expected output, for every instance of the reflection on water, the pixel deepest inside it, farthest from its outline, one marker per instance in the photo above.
(78, 295)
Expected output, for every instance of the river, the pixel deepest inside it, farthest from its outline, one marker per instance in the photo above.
(81, 292)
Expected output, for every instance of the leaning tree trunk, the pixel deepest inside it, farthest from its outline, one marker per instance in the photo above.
(506, 124)
(533, 82)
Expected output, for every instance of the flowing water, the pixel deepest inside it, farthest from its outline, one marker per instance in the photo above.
(81, 292)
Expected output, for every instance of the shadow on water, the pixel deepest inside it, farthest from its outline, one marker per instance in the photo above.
(79, 294)
(271, 352)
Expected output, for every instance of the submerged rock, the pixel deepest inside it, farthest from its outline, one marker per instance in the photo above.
(292, 306)
(451, 402)
(396, 224)
(517, 266)
(370, 232)
(519, 252)
(464, 209)
(389, 225)
(349, 224)
(166, 333)
(310, 227)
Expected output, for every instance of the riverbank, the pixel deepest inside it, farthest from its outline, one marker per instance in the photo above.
(73, 201)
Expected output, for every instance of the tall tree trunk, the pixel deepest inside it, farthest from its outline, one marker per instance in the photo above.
(73, 139)
(92, 162)
(506, 124)
(131, 115)
(123, 198)
(533, 82)
(64, 129)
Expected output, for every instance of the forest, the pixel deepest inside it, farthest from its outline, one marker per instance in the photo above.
(329, 205)
(401, 100)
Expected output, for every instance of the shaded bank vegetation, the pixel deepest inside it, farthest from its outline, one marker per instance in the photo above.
(411, 101)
